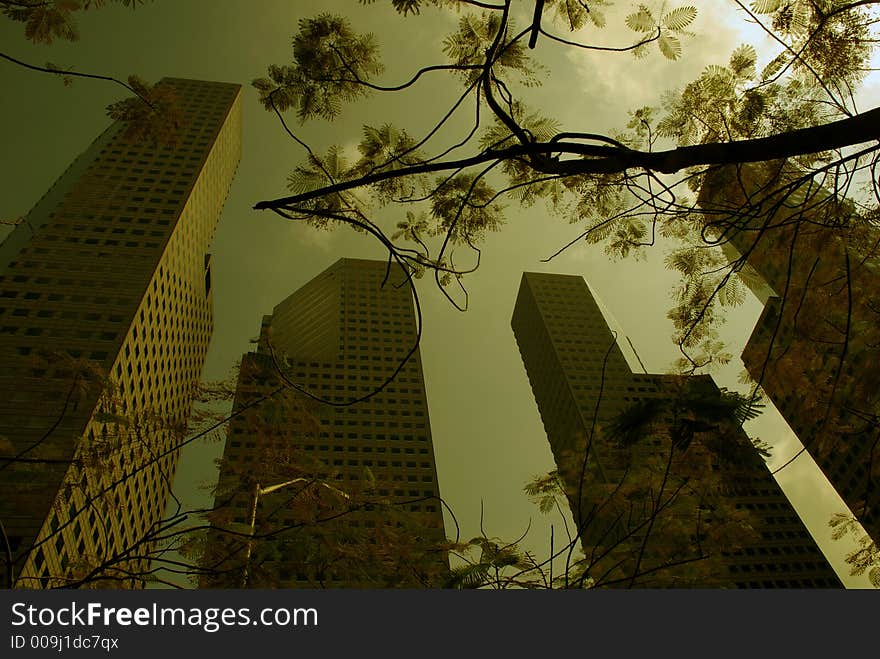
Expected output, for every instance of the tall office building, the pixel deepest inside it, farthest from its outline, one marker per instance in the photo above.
(357, 503)
(726, 523)
(813, 262)
(105, 320)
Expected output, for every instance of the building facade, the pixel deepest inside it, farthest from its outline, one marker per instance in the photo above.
(105, 320)
(814, 263)
(663, 493)
(358, 500)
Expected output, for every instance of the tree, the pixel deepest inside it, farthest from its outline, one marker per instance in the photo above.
(47, 21)
(671, 494)
(864, 559)
(666, 500)
(151, 114)
(284, 517)
(653, 490)
(732, 115)
(613, 184)
(83, 479)
(734, 161)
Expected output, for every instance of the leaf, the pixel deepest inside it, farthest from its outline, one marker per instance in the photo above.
(678, 19)
(369, 477)
(731, 294)
(153, 115)
(640, 50)
(636, 421)
(574, 13)
(775, 66)
(685, 260)
(669, 46)
(66, 79)
(765, 6)
(330, 64)
(467, 47)
(597, 18)
(842, 524)
(465, 208)
(742, 61)
(406, 6)
(45, 23)
(641, 21)
(716, 71)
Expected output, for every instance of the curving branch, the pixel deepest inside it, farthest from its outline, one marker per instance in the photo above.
(851, 131)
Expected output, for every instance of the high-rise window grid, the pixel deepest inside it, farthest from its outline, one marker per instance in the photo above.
(107, 274)
(579, 375)
(340, 337)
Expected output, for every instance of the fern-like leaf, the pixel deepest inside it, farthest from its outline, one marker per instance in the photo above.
(775, 66)
(765, 6)
(742, 61)
(670, 46)
(641, 21)
(678, 19)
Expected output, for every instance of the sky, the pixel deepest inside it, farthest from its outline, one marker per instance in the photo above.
(488, 437)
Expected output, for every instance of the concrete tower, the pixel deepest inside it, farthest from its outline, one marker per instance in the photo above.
(716, 518)
(105, 319)
(358, 501)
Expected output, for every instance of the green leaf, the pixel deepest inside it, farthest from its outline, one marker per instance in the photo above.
(742, 61)
(574, 13)
(406, 6)
(731, 294)
(465, 207)
(765, 6)
(640, 50)
(330, 64)
(641, 21)
(775, 66)
(678, 19)
(669, 46)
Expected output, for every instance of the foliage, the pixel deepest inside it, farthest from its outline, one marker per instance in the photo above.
(46, 21)
(152, 115)
(618, 187)
(310, 528)
(490, 566)
(543, 491)
(648, 509)
(749, 172)
(864, 559)
(588, 177)
(331, 66)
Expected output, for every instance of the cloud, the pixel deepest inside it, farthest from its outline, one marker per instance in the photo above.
(619, 82)
(309, 236)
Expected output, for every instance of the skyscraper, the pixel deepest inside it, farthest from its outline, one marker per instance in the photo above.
(813, 262)
(105, 320)
(682, 501)
(357, 502)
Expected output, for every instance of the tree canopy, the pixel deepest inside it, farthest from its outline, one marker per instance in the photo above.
(768, 131)
(798, 106)
(46, 22)
(766, 157)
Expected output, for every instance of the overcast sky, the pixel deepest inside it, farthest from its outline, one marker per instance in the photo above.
(488, 437)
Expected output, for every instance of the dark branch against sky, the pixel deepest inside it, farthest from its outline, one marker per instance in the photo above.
(487, 433)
